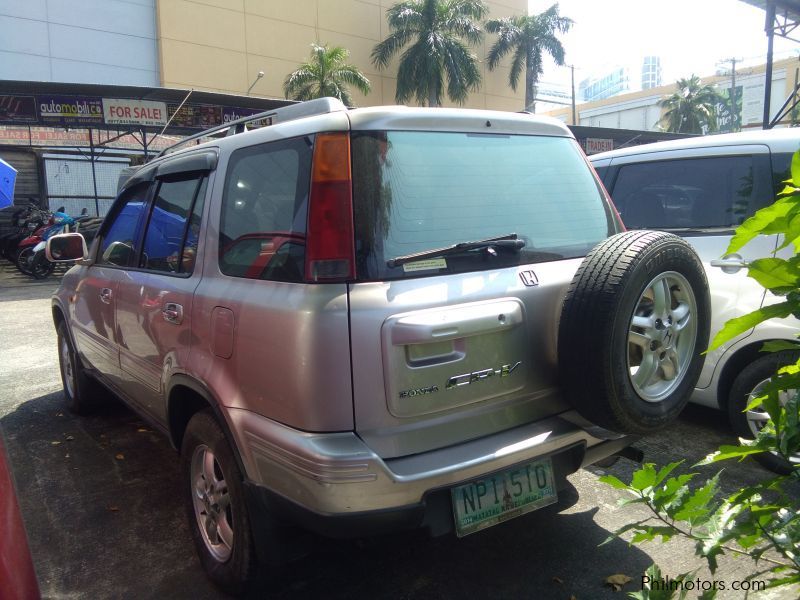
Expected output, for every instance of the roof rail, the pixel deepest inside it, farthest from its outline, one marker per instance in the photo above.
(319, 106)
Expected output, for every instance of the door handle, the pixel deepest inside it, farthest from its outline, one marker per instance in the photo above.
(172, 313)
(731, 263)
(105, 295)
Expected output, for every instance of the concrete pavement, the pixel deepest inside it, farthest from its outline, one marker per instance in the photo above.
(100, 497)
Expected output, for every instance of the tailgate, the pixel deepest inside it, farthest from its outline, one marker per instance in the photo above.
(441, 360)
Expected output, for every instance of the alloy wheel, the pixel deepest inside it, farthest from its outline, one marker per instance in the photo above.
(661, 336)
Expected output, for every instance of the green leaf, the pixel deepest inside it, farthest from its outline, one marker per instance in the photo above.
(759, 222)
(726, 452)
(739, 325)
(665, 471)
(777, 275)
(650, 533)
(614, 482)
(778, 345)
(644, 478)
(796, 169)
(697, 507)
(784, 581)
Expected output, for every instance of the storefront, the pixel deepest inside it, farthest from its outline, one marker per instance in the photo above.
(70, 142)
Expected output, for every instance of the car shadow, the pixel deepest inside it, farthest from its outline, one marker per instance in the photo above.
(101, 499)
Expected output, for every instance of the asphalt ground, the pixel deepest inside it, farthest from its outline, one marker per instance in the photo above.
(100, 500)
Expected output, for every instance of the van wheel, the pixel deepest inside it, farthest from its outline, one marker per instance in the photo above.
(80, 391)
(634, 323)
(747, 386)
(215, 504)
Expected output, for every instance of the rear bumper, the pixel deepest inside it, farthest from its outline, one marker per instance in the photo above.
(337, 476)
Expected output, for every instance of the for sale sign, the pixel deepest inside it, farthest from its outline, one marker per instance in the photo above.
(134, 112)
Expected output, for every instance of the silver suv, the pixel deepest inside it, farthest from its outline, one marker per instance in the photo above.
(366, 320)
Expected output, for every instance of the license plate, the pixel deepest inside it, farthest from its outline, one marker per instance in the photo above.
(503, 496)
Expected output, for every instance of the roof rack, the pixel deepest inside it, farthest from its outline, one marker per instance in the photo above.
(320, 106)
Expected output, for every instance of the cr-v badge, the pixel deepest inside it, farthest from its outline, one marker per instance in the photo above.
(467, 378)
(529, 278)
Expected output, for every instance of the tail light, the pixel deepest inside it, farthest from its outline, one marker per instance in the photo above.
(330, 249)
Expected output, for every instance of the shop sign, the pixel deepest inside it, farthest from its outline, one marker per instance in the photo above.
(595, 145)
(70, 110)
(134, 112)
(43, 136)
(232, 113)
(195, 116)
(18, 109)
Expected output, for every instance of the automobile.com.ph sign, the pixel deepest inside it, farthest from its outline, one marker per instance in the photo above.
(70, 110)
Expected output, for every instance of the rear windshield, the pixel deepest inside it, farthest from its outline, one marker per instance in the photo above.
(418, 191)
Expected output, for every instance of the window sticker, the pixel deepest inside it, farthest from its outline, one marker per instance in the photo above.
(425, 265)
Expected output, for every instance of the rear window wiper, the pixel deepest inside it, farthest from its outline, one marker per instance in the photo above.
(504, 241)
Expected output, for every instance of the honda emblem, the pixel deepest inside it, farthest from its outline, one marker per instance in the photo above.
(529, 278)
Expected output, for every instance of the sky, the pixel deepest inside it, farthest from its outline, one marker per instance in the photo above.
(690, 36)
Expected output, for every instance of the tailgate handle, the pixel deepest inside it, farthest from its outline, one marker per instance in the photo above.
(437, 326)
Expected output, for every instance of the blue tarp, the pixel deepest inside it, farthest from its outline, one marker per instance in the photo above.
(8, 176)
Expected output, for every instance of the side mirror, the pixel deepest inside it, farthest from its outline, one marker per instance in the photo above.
(66, 247)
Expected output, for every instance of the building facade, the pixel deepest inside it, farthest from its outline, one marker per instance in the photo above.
(90, 41)
(640, 110)
(611, 84)
(213, 45)
(651, 72)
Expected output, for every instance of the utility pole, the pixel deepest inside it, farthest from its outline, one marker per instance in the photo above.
(732, 95)
(574, 120)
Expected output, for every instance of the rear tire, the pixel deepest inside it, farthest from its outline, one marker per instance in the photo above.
(23, 260)
(744, 389)
(81, 392)
(634, 323)
(41, 267)
(215, 505)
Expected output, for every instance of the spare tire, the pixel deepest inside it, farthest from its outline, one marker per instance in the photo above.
(634, 323)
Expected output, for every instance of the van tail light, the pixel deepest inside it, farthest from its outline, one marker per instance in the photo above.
(330, 249)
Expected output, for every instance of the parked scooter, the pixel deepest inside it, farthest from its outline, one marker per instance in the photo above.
(32, 259)
(22, 221)
(26, 251)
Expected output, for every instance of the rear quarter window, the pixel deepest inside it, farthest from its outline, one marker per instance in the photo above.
(264, 210)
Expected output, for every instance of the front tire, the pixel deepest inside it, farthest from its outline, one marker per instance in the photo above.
(215, 505)
(746, 387)
(634, 323)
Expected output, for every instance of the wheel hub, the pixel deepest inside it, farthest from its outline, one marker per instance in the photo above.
(661, 336)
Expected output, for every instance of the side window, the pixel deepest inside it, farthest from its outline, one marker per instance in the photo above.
(264, 209)
(781, 170)
(170, 241)
(692, 193)
(119, 242)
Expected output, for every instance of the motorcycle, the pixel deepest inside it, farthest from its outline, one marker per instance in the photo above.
(32, 259)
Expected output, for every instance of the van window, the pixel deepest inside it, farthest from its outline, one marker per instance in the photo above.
(419, 191)
(264, 210)
(716, 192)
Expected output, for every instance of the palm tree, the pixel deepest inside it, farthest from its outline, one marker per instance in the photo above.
(692, 108)
(528, 37)
(440, 33)
(326, 74)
